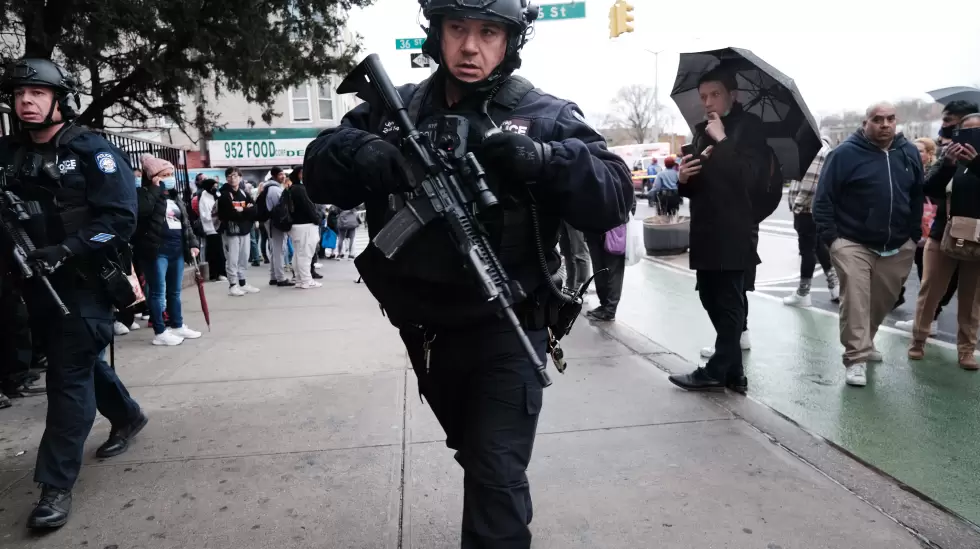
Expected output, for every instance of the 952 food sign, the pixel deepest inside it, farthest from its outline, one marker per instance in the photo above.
(259, 152)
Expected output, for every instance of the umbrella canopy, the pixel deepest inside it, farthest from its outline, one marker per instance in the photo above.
(956, 93)
(762, 90)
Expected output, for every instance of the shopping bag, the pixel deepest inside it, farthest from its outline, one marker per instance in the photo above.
(928, 216)
(635, 249)
(134, 281)
(615, 240)
(329, 239)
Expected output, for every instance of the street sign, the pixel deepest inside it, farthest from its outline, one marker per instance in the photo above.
(569, 10)
(419, 60)
(409, 43)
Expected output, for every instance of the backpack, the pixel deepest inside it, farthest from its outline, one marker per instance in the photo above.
(261, 205)
(281, 215)
(767, 193)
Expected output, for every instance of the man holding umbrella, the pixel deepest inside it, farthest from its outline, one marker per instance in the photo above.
(729, 158)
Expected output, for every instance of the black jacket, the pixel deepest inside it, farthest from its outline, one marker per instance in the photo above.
(303, 209)
(870, 196)
(428, 283)
(965, 198)
(151, 222)
(722, 224)
(234, 222)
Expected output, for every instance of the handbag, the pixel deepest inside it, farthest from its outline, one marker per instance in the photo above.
(961, 239)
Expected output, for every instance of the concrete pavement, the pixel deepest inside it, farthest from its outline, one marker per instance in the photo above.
(917, 422)
(296, 422)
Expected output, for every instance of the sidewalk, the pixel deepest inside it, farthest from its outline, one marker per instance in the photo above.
(296, 423)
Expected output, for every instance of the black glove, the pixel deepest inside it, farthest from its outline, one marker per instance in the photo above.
(381, 167)
(514, 156)
(50, 256)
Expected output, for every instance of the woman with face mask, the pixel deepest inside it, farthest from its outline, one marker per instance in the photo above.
(163, 242)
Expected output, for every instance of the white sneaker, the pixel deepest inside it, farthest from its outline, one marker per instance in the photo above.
(743, 343)
(236, 290)
(318, 265)
(167, 338)
(308, 285)
(119, 328)
(797, 300)
(856, 375)
(135, 326)
(144, 317)
(835, 293)
(875, 356)
(249, 289)
(223, 278)
(185, 332)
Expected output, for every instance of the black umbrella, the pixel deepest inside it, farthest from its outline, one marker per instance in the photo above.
(957, 93)
(762, 90)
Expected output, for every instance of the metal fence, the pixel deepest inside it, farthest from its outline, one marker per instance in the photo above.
(136, 148)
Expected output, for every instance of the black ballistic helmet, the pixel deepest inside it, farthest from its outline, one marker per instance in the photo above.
(517, 15)
(46, 74)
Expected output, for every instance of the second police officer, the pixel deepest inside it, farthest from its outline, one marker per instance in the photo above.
(471, 368)
(80, 193)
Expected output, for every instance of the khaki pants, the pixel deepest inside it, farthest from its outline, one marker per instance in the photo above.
(869, 287)
(937, 270)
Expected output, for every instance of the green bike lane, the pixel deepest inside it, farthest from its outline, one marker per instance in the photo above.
(916, 421)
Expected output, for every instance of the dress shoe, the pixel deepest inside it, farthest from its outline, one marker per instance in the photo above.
(738, 383)
(698, 380)
(52, 510)
(600, 314)
(119, 438)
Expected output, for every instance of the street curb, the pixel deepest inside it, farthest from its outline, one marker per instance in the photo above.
(934, 525)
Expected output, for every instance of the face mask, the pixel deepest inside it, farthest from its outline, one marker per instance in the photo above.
(168, 183)
(947, 132)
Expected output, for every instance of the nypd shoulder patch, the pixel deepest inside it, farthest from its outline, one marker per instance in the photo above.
(102, 237)
(581, 118)
(105, 162)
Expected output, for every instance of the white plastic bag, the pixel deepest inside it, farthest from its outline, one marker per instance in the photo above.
(635, 249)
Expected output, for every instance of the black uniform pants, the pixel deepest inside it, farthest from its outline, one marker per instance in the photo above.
(812, 249)
(609, 284)
(483, 390)
(16, 350)
(723, 298)
(575, 255)
(78, 383)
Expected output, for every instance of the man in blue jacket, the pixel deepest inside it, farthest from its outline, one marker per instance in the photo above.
(868, 210)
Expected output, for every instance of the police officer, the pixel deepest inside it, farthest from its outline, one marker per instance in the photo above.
(470, 366)
(80, 193)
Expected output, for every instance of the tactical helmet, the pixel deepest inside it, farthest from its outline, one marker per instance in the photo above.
(46, 74)
(516, 14)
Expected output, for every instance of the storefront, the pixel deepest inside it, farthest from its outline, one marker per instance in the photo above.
(255, 151)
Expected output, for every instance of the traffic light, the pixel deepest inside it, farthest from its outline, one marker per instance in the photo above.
(620, 16)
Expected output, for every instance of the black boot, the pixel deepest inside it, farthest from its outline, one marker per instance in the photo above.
(52, 510)
(119, 438)
(738, 383)
(698, 380)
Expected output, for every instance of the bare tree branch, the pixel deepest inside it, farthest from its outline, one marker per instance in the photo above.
(636, 111)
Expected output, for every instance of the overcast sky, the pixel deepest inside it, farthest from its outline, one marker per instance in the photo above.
(844, 55)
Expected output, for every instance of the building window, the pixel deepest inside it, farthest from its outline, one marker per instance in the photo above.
(299, 104)
(325, 102)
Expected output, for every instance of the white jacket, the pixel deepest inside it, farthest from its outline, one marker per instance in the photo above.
(206, 206)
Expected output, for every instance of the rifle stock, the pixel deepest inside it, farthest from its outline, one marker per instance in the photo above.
(441, 194)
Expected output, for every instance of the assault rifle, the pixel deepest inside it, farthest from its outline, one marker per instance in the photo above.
(13, 214)
(451, 187)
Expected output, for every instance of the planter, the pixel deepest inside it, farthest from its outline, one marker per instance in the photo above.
(666, 236)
